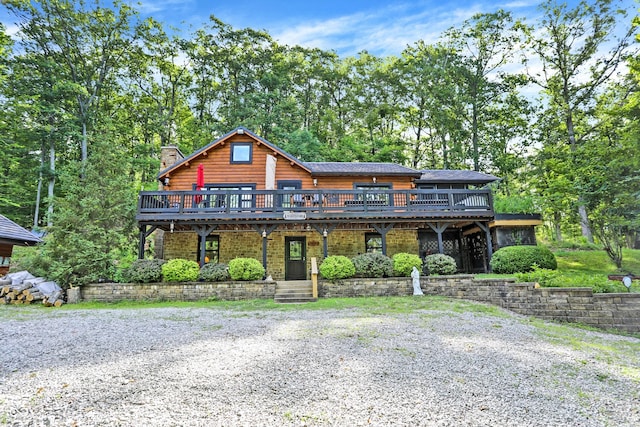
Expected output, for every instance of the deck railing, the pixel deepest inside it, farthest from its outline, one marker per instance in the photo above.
(312, 203)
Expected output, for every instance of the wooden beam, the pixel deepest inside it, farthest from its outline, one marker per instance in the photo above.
(383, 229)
(514, 222)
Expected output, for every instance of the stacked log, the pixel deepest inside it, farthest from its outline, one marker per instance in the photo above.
(31, 290)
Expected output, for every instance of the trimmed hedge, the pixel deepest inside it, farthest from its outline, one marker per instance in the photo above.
(440, 264)
(403, 264)
(212, 272)
(520, 259)
(246, 269)
(337, 267)
(373, 265)
(180, 270)
(144, 271)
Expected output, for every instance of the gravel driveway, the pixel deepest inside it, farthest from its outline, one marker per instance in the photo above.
(212, 366)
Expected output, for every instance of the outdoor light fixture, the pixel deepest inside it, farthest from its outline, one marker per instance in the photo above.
(264, 234)
(166, 182)
(324, 233)
(315, 182)
(171, 226)
(374, 180)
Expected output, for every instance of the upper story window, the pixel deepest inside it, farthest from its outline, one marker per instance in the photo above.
(372, 195)
(241, 152)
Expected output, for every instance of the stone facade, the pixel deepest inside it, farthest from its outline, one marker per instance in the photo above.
(248, 244)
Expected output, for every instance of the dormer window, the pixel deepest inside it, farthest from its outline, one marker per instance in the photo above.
(241, 153)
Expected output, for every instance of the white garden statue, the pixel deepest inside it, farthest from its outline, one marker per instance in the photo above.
(415, 275)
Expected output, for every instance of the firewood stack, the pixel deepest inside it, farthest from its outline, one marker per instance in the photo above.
(24, 288)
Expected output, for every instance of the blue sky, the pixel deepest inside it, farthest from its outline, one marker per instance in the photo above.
(347, 26)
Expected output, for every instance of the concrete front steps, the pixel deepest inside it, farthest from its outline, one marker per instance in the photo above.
(294, 291)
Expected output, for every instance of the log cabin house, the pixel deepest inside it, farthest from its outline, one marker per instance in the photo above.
(242, 196)
(11, 234)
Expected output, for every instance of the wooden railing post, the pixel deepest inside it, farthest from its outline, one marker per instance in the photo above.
(314, 276)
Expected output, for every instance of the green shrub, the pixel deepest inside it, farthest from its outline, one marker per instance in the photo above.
(144, 271)
(373, 264)
(403, 264)
(246, 269)
(543, 276)
(180, 270)
(440, 264)
(520, 259)
(337, 267)
(212, 272)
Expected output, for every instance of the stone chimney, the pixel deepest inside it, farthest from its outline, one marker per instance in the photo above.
(169, 155)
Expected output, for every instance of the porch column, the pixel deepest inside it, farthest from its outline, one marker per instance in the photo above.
(264, 232)
(439, 228)
(324, 230)
(383, 229)
(487, 234)
(203, 231)
(143, 238)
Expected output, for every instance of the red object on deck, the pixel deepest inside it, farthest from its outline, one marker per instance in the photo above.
(199, 182)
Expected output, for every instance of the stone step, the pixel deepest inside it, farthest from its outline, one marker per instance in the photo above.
(294, 291)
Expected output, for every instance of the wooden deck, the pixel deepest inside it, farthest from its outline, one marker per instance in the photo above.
(301, 205)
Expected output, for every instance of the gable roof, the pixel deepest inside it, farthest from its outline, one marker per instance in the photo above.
(358, 168)
(345, 168)
(433, 176)
(12, 233)
(237, 131)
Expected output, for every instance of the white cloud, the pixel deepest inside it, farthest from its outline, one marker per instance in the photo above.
(155, 6)
(382, 32)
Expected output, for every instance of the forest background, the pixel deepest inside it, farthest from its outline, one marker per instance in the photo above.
(90, 92)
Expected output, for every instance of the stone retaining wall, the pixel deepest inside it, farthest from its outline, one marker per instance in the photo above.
(191, 291)
(606, 311)
(579, 305)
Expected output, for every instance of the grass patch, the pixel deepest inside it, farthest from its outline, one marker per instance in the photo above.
(589, 268)
(370, 305)
(596, 262)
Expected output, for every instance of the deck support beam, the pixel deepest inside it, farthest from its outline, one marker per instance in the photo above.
(324, 230)
(264, 231)
(142, 242)
(383, 229)
(487, 233)
(439, 228)
(203, 231)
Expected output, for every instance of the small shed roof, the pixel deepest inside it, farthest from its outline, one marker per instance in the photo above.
(432, 176)
(12, 233)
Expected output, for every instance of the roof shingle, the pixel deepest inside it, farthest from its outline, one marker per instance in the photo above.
(13, 233)
(457, 176)
(357, 168)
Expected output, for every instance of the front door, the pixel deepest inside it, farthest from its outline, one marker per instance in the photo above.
(295, 256)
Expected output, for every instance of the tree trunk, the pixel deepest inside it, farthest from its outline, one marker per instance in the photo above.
(582, 209)
(556, 226)
(52, 181)
(474, 137)
(584, 221)
(36, 214)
